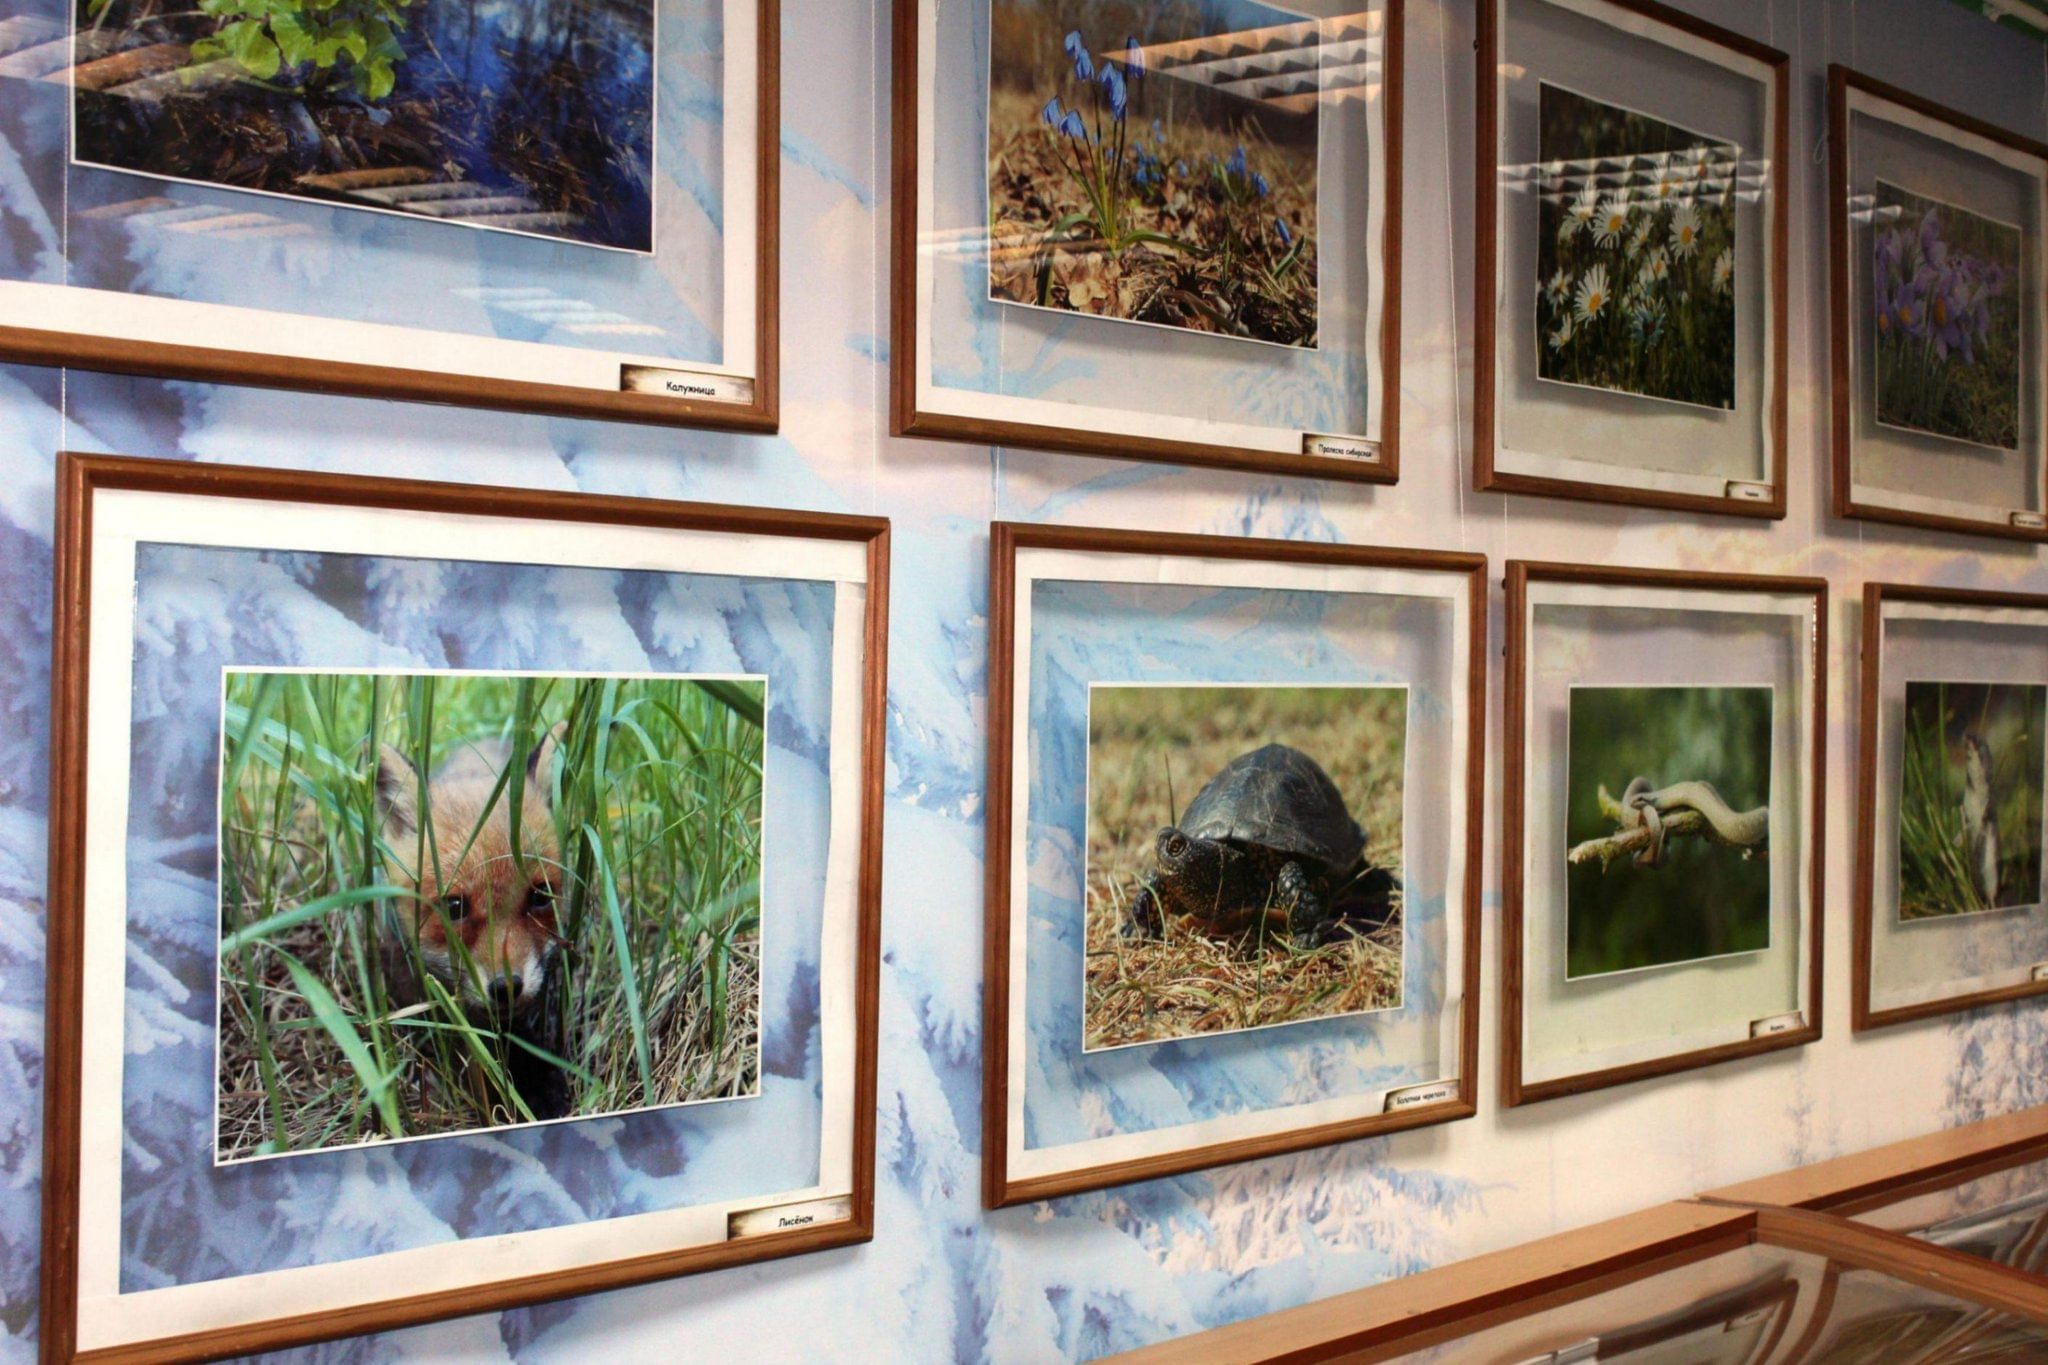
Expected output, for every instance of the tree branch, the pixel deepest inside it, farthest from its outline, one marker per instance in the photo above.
(1634, 839)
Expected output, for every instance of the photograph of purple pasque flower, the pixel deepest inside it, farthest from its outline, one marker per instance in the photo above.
(1131, 188)
(1945, 286)
(1635, 259)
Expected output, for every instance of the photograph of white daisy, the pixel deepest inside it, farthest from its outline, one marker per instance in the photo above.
(1636, 253)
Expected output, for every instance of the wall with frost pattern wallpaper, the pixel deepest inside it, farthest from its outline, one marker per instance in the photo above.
(1099, 1272)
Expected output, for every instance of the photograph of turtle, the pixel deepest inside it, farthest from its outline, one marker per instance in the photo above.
(527, 116)
(1674, 868)
(1127, 180)
(1274, 893)
(1635, 268)
(452, 902)
(1945, 310)
(1970, 797)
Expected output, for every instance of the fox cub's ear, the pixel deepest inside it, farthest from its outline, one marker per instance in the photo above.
(540, 764)
(398, 791)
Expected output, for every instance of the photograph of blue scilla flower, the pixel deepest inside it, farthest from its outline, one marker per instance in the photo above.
(1635, 271)
(1945, 308)
(1125, 185)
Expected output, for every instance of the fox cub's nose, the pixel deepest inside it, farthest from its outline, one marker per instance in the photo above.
(506, 988)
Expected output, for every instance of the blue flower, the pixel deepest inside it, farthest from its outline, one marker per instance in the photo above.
(1159, 132)
(1052, 112)
(1113, 86)
(1072, 126)
(1236, 164)
(1259, 185)
(1084, 67)
(1286, 236)
(1134, 58)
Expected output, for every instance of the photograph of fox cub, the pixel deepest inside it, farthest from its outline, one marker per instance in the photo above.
(453, 902)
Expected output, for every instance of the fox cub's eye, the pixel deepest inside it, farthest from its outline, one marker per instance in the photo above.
(456, 906)
(540, 899)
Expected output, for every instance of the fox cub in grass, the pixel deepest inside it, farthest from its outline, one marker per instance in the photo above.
(482, 921)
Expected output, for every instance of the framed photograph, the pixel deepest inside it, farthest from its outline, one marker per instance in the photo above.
(1665, 736)
(461, 836)
(1234, 837)
(550, 207)
(1159, 229)
(1631, 270)
(1952, 771)
(1935, 323)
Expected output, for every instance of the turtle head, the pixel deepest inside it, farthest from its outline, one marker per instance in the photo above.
(1191, 869)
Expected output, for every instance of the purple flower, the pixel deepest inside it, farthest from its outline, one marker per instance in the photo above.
(1084, 66)
(1113, 86)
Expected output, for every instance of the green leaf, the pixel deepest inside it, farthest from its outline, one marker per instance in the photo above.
(294, 41)
(375, 78)
(254, 49)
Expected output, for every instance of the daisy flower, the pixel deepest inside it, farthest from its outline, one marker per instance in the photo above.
(1561, 336)
(1583, 209)
(1593, 297)
(1724, 270)
(1640, 238)
(1657, 268)
(1560, 286)
(1612, 222)
(1685, 230)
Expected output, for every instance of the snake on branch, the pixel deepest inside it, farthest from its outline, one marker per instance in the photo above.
(1648, 807)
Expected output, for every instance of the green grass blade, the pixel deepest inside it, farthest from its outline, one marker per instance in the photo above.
(336, 1022)
(276, 924)
(629, 982)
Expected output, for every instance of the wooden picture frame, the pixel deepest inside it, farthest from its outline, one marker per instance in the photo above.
(1649, 21)
(1373, 458)
(355, 358)
(1864, 1014)
(102, 500)
(1846, 87)
(1465, 588)
(1516, 1087)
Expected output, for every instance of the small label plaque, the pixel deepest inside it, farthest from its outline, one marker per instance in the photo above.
(1354, 448)
(696, 385)
(2040, 972)
(1739, 491)
(2030, 521)
(788, 1217)
(1415, 1096)
(1777, 1023)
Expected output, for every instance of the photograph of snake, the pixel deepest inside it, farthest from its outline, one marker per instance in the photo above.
(1244, 857)
(1668, 826)
(1970, 798)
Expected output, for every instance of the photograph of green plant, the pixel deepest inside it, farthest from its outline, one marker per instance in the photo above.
(1635, 265)
(527, 116)
(1122, 191)
(1244, 858)
(1668, 830)
(1946, 314)
(1970, 797)
(451, 902)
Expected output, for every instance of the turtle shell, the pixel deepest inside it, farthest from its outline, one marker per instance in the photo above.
(1277, 798)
